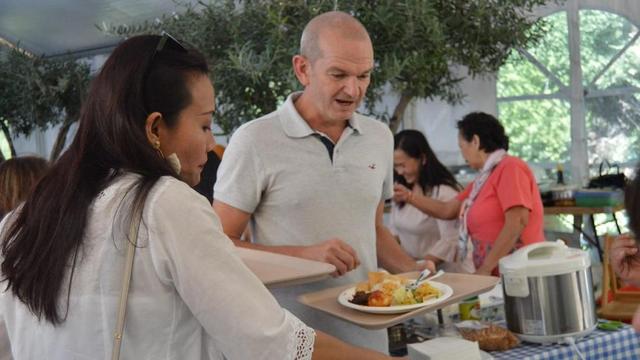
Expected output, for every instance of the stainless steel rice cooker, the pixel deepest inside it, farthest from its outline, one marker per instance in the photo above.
(548, 292)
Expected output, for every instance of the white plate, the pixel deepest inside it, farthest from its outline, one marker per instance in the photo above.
(347, 295)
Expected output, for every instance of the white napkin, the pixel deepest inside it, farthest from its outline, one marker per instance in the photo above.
(444, 348)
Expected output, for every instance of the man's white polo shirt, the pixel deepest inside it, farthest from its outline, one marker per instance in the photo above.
(278, 169)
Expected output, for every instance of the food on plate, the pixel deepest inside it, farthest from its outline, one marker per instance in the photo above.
(491, 338)
(426, 291)
(383, 289)
(360, 298)
(379, 298)
(363, 287)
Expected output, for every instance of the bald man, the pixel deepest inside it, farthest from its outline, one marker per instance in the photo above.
(312, 176)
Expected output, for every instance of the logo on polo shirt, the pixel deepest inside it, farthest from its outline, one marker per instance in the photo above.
(372, 166)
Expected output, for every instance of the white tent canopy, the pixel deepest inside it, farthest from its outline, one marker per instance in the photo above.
(59, 27)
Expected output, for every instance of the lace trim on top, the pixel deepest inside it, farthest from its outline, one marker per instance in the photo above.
(301, 344)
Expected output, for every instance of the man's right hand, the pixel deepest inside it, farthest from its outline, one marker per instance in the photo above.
(625, 258)
(335, 252)
(427, 264)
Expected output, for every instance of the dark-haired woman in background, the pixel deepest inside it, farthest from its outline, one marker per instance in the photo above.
(419, 173)
(501, 210)
(143, 139)
(18, 177)
(625, 255)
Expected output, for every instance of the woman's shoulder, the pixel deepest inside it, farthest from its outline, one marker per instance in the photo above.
(510, 160)
(511, 165)
(173, 204)
(171, 184)
(164, 184)
(169, 190)
(168, 197)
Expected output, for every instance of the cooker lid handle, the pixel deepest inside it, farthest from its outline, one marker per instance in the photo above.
(544, 249)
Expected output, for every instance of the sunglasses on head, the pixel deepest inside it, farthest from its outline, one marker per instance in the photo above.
(166, 42)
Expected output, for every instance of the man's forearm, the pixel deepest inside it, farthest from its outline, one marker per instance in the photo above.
(391, 256)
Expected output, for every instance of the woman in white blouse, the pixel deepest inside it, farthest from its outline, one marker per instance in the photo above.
(418, 172)
(143, 139)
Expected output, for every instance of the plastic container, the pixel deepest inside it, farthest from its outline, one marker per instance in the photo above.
(470, 308)
(598, 198)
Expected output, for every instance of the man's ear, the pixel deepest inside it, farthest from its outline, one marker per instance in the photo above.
(151, 129)
(301, 67)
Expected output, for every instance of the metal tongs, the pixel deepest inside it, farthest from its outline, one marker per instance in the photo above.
(424, 275)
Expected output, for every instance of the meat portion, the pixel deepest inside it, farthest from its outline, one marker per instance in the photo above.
(360, 298)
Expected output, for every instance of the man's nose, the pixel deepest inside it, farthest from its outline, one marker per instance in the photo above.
(351, 87)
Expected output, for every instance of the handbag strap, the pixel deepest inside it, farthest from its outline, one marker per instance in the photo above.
(126, 281)
(601, 167)
(608, 168)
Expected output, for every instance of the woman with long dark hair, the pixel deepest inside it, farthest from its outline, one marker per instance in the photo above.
(143, 139)
(419, 173)
(501, 210)
(625, 251)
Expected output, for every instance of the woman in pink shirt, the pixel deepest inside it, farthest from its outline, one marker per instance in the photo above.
(501, 210)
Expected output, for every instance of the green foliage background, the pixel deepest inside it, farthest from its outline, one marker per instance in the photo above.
(36, 93)
(416, 42)
(250, 44)
(540, 129)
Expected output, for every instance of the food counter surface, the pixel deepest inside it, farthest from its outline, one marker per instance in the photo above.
(609, 345)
